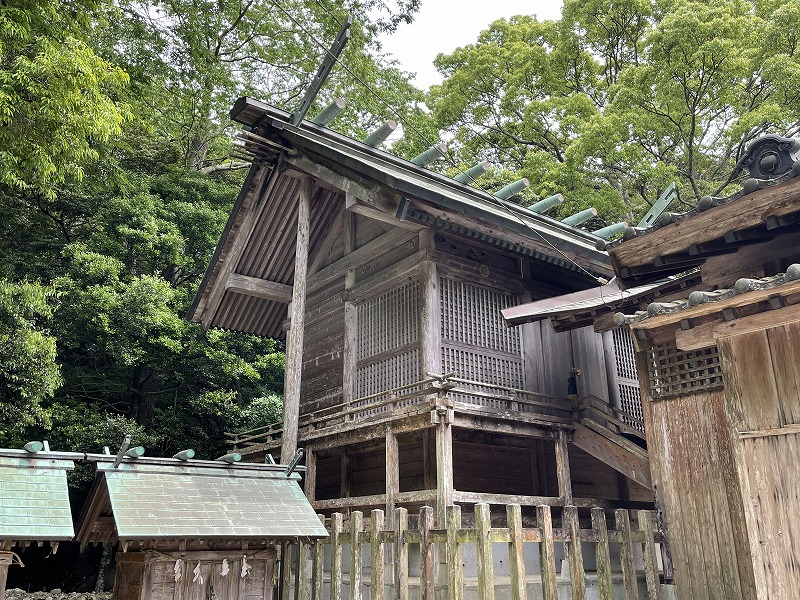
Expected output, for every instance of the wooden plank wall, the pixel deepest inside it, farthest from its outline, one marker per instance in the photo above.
(693, 474)
(762, 388)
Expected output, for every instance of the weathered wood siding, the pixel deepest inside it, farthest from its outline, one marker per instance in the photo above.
(762, 389)
(691, 460)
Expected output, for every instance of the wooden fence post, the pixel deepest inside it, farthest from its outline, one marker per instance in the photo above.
(574, 553)
(356, 562)
(318, 566)
(484, 552)
(317, 570)
(547, 552)
(603, 555)
(455, 569)
(629, 583)
(649, 554)
(336, 557)
(427, 583)
(302, 572)
(400, 555)
(378, 557)
(516, 552)
(286, 564)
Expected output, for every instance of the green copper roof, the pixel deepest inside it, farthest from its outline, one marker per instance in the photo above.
(151, 501)
(34, 503)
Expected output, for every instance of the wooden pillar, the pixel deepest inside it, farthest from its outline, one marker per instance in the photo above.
(428, 459)
(444, 466)
(3, 576)
(562, 468)
(294, 342)
(349, 352)
(344, 486)
(430, 320)
(310, 476)
(349, 356)
(392, 470)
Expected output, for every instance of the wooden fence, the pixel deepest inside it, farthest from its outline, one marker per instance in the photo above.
(437, 555)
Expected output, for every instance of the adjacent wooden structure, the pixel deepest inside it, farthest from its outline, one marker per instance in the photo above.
(195, 529)
(404, 385)
(721, 385)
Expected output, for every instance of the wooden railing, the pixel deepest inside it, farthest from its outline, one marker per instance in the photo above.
(383, 549)
(494, 400)
(594, 408)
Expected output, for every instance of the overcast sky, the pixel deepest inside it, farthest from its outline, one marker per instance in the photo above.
(444, 25)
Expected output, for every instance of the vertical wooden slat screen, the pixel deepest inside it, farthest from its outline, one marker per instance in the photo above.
(387, 340)
(628, 382)
(476, 343)
(447, 540)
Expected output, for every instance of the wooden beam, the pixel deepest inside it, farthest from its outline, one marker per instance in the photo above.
(260, 198)
(707, 334)
(359, 257)
(714, 223)
(294, 343)
(358, 207)
(372, 194)
(260, 288)
(615, 456)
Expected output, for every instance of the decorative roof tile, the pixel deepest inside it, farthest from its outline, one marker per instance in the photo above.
(698, 297)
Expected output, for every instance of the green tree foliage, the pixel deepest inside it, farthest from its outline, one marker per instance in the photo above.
(29, 373)
(188, 60)
(616, 99)
(114, 126)
(54, 94)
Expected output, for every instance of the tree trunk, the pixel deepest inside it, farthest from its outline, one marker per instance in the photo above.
(143, 405)
(105, 561)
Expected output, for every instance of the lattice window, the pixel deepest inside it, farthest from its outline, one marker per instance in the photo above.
(387, 343)
(471, 315)
(389, 321)
(485, 368)
(388, 373)
(627, 380)
(476, 343)
(673, 372)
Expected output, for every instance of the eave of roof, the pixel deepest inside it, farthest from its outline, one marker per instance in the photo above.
(584, 305)
(717, 225)
(702, 303)
(408, 178)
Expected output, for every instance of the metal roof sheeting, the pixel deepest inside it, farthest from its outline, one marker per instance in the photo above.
(161, 501)
(34, 501)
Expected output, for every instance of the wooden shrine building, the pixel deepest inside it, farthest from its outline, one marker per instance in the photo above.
(719, 365)
(34, 502)
(403, 383)
(193, 528)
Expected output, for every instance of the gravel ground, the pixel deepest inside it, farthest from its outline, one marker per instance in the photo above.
(17, 594)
